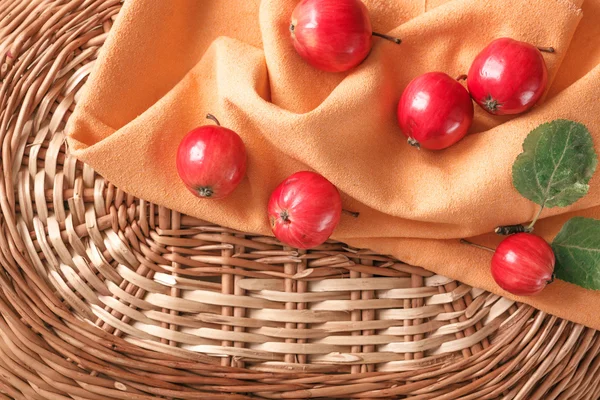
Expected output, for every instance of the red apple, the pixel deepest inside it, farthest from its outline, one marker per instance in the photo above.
(507, 77)
(523, 264)
(304, 210)
(333, 35)
(211, 160)
(435, 111)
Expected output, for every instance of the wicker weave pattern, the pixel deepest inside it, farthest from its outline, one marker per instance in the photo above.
(105, 296)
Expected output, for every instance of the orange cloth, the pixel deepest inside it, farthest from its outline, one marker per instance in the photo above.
(168, 63)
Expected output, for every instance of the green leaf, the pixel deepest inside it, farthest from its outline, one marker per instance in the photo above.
(556, 165)
(577, 250)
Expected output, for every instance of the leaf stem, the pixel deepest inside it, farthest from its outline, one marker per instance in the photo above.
(464, 241)
(506, 230)
(537, 216)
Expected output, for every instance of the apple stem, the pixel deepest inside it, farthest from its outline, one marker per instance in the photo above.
(354, 214)
(548, 49)
(506, 230)
(461, 77)
(464, 241)
(387, 37)
(213, 118)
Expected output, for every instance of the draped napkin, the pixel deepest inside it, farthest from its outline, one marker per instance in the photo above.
(166, 64)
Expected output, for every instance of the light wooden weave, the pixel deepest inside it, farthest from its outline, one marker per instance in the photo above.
(105, 296)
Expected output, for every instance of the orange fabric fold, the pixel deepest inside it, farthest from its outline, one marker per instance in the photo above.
(168, 63)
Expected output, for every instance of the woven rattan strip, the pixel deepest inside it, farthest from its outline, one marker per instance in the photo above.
(106, 296)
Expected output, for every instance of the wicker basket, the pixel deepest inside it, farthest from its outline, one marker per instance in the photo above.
(105, 296)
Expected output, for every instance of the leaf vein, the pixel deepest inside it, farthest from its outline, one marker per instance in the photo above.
(572, 246)
(535, 172)
(547, 193)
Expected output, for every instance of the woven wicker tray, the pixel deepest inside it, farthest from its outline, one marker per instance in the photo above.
(105, 296)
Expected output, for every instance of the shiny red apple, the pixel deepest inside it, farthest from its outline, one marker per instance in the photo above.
(304, 210)
(523, 264)
(435, 111)
(507, 77)
(211, 160)
(333, 35)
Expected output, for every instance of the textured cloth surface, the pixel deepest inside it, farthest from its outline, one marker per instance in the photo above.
(168, 63)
